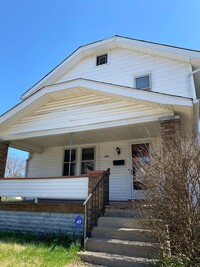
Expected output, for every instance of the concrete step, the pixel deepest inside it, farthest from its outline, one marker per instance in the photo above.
(122, 222)
(122, 212)
(123, 247)
(114, 260)
(129, 234)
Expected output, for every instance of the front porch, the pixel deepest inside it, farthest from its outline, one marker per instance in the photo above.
(79, 124)
(111, 148)
(43, 210)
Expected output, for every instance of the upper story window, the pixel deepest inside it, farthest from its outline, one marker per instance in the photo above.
(143, 82)
(103, 59)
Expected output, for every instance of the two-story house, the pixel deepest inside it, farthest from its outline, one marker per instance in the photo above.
(99, 107)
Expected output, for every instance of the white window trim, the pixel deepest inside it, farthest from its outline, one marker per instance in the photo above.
(63, 157)
(143, 75)
(79, 156)
(100, 66)
(81, 148)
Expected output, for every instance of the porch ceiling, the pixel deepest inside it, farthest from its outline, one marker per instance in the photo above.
(138, 131)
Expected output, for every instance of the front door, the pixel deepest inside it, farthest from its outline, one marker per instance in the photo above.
(140, 156)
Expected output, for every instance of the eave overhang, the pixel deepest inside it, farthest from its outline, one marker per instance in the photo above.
(46, 93)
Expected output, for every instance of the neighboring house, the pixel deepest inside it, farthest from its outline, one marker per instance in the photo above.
(100, 106)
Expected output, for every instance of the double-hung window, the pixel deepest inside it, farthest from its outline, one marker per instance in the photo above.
(69, 167)
(87, 160)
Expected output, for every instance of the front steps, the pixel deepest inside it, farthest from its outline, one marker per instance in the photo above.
(121, 239)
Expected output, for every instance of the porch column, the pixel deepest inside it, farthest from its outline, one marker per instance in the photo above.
(94, 177)
(170, 128)
(3, 158)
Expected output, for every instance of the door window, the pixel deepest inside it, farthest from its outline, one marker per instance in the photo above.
(140, 157)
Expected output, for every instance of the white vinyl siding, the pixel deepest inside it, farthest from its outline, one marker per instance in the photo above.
(169, 76)
(50, 164)
(47, 164)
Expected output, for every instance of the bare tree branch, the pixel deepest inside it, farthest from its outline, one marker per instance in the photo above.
(15, 166)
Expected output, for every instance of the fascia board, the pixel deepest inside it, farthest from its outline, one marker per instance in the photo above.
(124, 91)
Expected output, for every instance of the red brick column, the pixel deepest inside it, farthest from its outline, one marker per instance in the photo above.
(170, 128)
(3, 158)
(94, 177)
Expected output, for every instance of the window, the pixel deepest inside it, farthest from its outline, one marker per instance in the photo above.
(103, 59)
(87, 160)
(143, 82)
(69, 167)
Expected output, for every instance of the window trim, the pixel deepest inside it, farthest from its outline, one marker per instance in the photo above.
(98, 55)
(81, 149)
(76, 161)
(78, 149)
(150, 81)
(98, 59)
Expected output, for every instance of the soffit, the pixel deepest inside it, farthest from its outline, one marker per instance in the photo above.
(85, 89)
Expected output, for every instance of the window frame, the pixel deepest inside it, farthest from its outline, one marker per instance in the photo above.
(102, 65)
(141, 76)
(81, 161)
(65, 162)
(101, 56)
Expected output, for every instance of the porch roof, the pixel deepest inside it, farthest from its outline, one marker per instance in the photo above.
(93, 111)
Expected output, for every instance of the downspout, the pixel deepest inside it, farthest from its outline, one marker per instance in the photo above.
(188, 81)
(27, 163)
(193, 72)
(196, 120)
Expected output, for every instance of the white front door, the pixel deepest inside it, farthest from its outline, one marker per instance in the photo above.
(139, 154)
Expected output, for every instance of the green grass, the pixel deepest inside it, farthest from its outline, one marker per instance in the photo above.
(25, 250)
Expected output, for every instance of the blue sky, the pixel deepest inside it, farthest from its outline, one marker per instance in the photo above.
(36, 35)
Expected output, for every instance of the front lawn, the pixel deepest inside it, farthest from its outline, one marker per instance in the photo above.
(25, 250)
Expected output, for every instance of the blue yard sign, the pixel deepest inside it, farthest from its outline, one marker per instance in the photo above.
(79, 221)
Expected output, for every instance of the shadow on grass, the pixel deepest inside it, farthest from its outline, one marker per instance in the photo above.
(48, 240)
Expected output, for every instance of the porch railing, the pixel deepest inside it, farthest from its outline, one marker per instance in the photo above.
(95, 204)
(51, 187)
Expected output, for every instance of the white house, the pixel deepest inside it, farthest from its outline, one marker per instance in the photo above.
(102, 104)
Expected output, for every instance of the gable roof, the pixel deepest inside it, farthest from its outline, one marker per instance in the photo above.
(102, 46)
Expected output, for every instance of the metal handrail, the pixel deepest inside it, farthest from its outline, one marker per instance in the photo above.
(97, 196)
